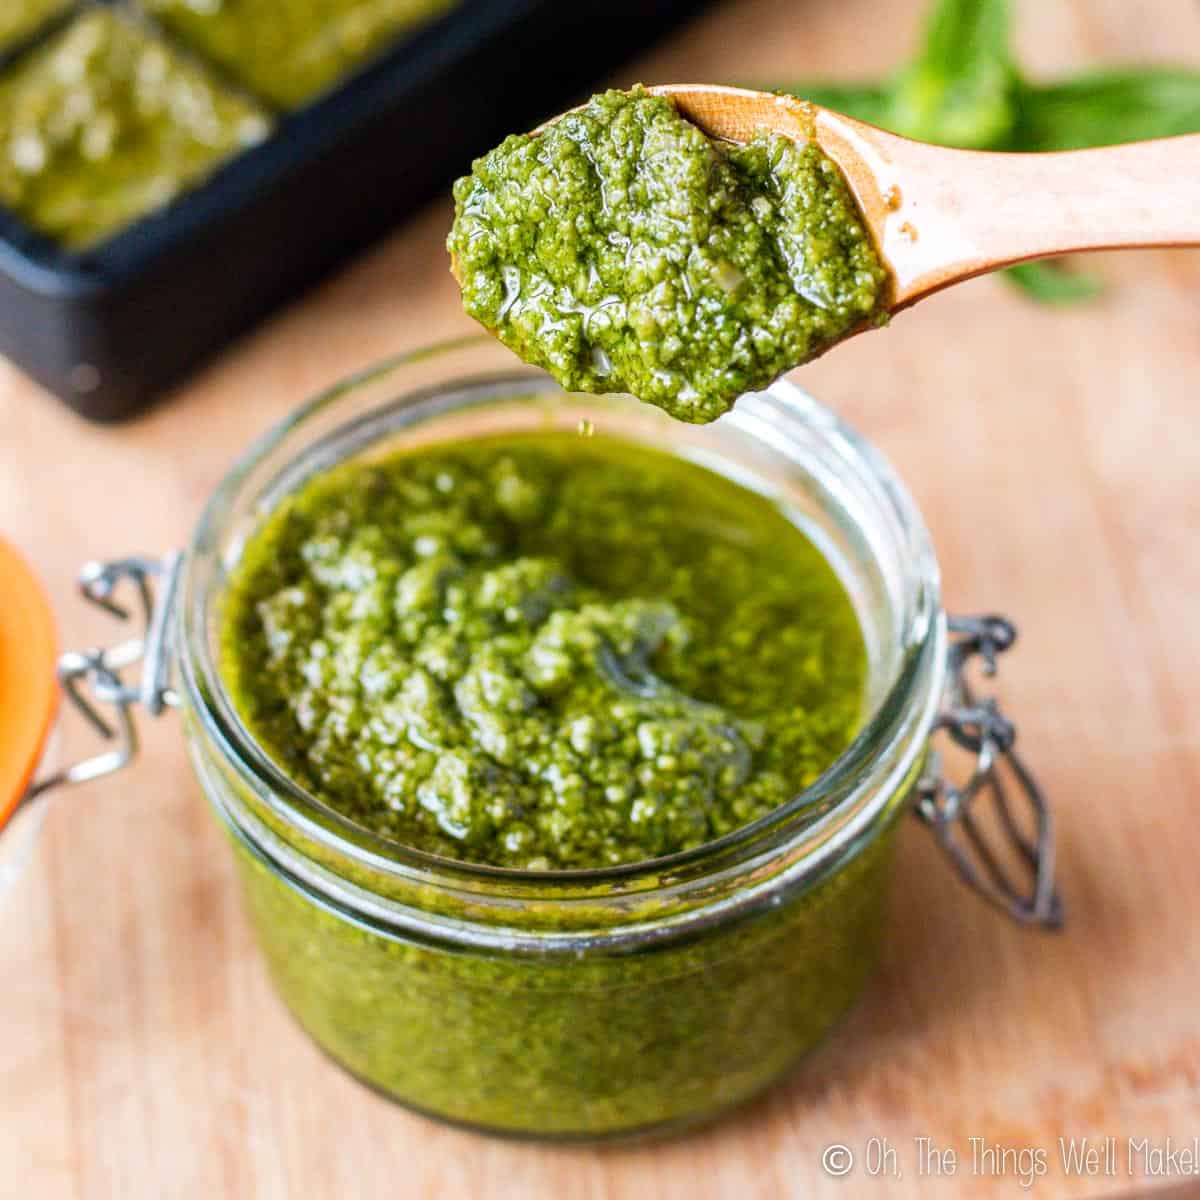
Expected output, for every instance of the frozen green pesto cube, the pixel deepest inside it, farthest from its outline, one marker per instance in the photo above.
(104, 124)
(290, 51)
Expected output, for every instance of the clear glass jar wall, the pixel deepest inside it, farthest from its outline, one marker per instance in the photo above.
(578, 1003)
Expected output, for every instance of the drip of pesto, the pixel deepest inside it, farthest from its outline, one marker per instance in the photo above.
(623, 250)
(542, 651)
(105, 123)
(290, 51)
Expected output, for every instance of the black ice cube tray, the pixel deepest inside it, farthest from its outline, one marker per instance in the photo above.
(110, 328)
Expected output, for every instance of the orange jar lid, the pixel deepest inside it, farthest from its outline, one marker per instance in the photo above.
(28, 686)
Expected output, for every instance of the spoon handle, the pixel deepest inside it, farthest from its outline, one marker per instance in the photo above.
(953, 214)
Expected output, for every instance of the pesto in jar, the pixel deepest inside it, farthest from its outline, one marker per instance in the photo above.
(105, 123)
(290, 51)
(589, 1043)
(542, 651)
(624, 251)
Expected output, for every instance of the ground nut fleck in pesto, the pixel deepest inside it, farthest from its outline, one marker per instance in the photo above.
(106, 123)
(624, 251)
(542, 651)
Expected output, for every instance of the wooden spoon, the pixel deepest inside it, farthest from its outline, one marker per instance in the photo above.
(940, 216)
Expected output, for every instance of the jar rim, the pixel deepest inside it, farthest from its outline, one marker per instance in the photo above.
(901, 709)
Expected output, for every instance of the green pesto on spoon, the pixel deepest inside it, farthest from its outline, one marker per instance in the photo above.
(689, 243)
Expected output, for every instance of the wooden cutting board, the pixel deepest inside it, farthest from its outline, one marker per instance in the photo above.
(1055, 456)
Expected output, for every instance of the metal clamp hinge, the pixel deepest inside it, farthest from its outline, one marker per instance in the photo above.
(93, 679)
(1013, 866)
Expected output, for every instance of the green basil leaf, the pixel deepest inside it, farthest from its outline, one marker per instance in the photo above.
(962, 88)
(865, 102)
(1049, 282)
(960, 34)
(1105, 108)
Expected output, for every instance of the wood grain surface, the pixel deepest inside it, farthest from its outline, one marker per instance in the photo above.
(1055, 455)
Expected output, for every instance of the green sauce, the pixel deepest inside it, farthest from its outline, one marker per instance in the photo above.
(21, 18)
(578, 1044)
(542, 651)
(289, 51)
(104, 124)
(623, 250)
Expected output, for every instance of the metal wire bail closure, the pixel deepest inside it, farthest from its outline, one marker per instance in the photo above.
(92, 679)
(1022, 882)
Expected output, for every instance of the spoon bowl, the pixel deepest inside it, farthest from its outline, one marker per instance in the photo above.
(939, 216)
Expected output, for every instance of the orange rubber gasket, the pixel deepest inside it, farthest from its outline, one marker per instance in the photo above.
(29, 691)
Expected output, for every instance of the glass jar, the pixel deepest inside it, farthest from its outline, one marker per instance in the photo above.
(587, 1003)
